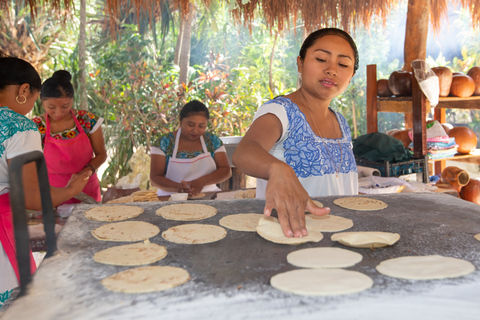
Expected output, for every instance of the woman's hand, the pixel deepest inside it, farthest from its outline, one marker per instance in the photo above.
(183, 186)
(286, 195)
(196, 186)
(78, 181)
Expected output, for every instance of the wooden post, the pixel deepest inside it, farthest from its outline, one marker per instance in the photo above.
(419, 124)
(416, 32)
(372, 124)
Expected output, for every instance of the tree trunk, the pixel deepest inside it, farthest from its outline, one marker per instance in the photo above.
(416, 32)
(82, 94)
(270, 71)
(185, 52)
(178, 46)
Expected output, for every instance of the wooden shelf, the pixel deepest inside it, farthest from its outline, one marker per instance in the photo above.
(415, 109)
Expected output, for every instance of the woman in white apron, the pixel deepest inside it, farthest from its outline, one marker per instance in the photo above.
(189, 159)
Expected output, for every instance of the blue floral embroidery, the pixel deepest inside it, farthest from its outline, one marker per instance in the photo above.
(12, 123)
(5, 296)
(306, 153)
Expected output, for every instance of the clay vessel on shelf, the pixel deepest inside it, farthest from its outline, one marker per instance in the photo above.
(471, 192)
(455, 177)
(465, 138)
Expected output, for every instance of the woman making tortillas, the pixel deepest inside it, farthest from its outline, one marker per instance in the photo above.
(72, 140)
(19, 87)
(190, 159)
(297, 146)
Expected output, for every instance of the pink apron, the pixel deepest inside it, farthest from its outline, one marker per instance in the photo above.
(7, 235)
(190, 169)
(66, 157)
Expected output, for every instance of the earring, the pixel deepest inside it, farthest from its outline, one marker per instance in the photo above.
(16, 99)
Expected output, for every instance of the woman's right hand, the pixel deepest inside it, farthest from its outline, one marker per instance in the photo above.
(286, 195)
(78, 181)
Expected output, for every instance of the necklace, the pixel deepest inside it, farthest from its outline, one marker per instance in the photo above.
(337, 170)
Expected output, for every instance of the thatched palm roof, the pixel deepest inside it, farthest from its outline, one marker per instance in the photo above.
(314, 13)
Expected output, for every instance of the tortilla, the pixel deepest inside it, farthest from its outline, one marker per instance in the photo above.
(269, 228)
(135, 254)
(194, 233)
(328, 223)
(198, 196)
(241, 222)
(360, 203)
(324, 258)
(366, 239)
(425, 267)
(321, 282)
(146, 279)
(186, 211)
(113, 213)
(477, 236)
(126, 231)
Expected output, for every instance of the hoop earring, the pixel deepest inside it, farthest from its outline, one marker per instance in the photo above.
(16, 99)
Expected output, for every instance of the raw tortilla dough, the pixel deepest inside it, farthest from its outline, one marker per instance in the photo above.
(186, 211)
(318, 203)
(328, 223)
(477, 236)
(269, 228)
(321, 282)
(425, 267)
(360, 203)
(241, 222)
(324, 258)
(126, 231)
(113, 213)
(146, 279)
(366, 239)
(135, 254)
(194, 233)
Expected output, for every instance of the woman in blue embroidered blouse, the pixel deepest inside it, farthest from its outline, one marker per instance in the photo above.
(297, 146)
(19, 89)
(189, 159)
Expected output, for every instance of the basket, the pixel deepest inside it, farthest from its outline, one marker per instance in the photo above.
(388, 169)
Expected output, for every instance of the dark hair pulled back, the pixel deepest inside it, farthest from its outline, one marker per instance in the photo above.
(194, 106)
(320, 33)
(15, 71)
(58, 86)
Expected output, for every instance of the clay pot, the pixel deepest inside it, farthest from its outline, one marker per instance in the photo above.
(455, 177)
(471, 192)
(444, 75)
(382, 88)
(474, 73)
(403, 136)
(400, 83)
(462, 86)
(465, 138)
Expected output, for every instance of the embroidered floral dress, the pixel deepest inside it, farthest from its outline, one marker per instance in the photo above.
(315, 166)
(89, 122)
